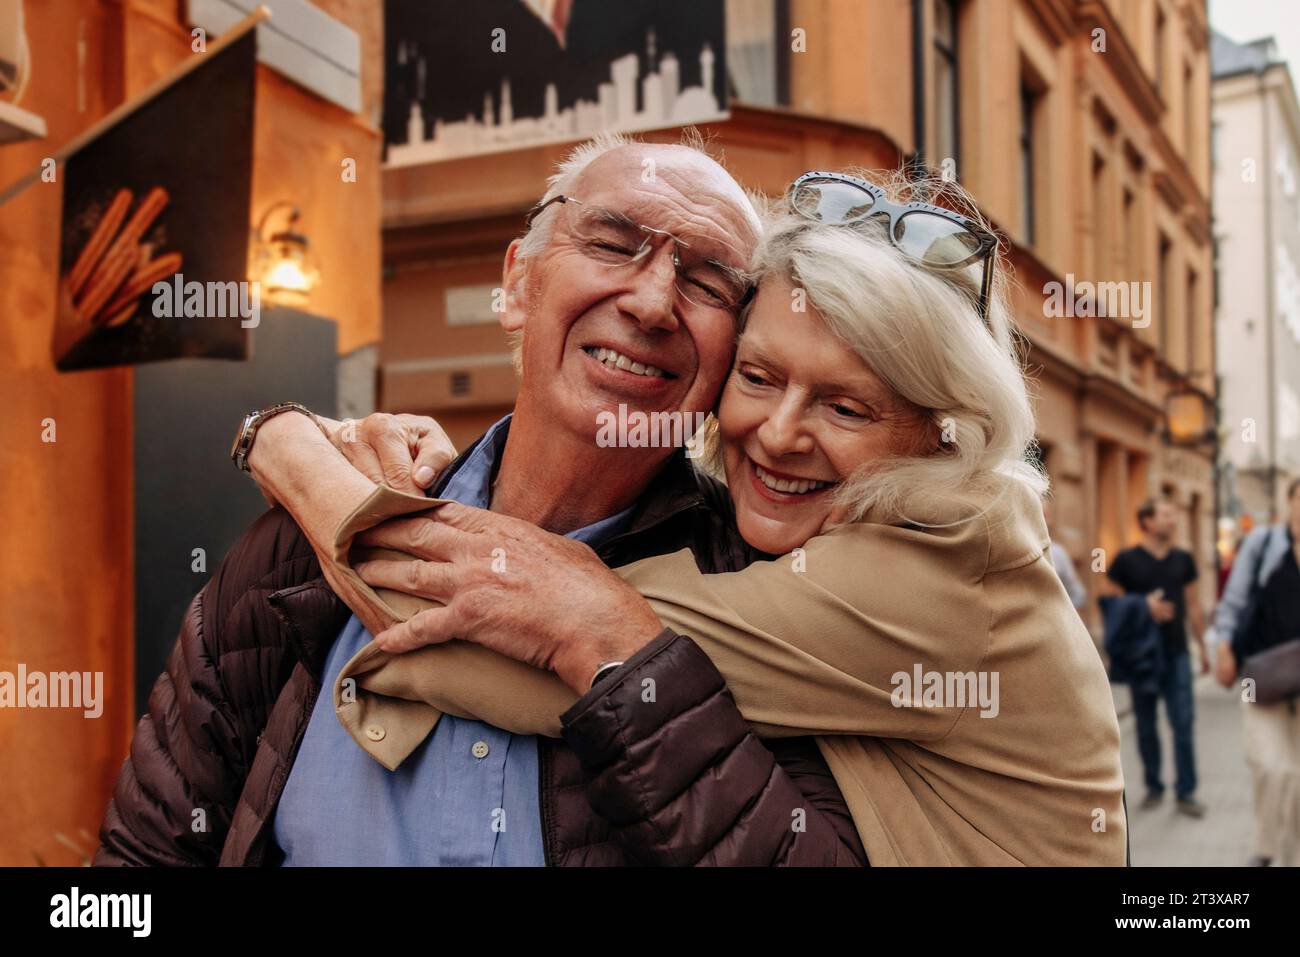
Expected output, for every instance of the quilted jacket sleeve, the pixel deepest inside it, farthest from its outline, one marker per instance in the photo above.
(189, 758)
(675, 769)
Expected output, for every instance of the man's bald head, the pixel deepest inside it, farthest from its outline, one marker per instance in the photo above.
(612, 157)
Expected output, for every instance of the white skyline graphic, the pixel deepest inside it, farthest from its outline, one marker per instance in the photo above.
(664, 103)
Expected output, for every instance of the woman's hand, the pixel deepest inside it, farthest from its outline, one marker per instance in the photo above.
(539, 598)
(320, 478)
(405, 452)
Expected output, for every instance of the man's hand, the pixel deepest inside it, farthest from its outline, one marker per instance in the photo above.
(539, 598)
(405, 452)
(1225, 665)
(1162, 610)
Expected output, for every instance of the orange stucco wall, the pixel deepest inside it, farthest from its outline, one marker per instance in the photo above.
(66, 580)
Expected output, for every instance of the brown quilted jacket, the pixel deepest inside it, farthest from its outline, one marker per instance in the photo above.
(686, 784)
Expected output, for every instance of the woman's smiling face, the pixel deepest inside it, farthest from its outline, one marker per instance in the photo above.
(800, 413)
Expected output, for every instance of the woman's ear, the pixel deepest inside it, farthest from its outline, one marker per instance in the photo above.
(514, 275)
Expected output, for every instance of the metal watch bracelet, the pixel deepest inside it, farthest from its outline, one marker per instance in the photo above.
(244, 438)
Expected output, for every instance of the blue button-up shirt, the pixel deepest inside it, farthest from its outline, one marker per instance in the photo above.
(467, 796)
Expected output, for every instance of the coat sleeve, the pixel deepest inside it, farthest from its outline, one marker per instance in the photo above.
(675, 769)
(827, 646)
(176, 793)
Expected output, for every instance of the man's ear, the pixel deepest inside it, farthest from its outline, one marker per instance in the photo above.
(514, 276)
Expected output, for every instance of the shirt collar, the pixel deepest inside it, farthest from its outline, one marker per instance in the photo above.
(471, 479)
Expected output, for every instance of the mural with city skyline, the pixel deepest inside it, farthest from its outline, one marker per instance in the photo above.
(466, 79)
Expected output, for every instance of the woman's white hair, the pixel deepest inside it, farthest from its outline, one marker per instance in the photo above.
(919, 330)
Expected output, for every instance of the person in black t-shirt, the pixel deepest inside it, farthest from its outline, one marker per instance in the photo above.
(1167, 577)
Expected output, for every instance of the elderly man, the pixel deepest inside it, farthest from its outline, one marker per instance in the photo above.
(241, 760)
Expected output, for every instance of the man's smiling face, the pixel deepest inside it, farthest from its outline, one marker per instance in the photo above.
(597, 336)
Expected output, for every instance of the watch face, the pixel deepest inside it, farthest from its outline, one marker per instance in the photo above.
(236, 446)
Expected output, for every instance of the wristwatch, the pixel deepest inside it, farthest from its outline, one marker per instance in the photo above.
(243, 443)
(604, 669)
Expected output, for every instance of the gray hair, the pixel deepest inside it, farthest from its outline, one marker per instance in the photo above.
(561, 182)
(919, 330)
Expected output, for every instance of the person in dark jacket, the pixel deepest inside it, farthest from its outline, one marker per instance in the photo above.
(1133, 643)
(241, 761)
(1260, 611)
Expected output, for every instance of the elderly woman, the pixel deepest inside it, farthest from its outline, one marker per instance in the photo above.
(873, 435)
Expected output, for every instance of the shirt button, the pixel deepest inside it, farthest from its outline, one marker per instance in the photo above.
(480, 749)
(375, 733)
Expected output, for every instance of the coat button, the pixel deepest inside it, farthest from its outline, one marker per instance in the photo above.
(375, 733)
(480, 749)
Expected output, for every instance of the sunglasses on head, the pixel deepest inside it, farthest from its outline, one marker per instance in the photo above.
(931, 235)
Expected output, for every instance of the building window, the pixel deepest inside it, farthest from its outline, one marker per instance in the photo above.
(1109, 480)
(1162, 294)
(1128, 242)
(1100, 220)
(1189, 114)
(1193, 323)
(758, 49)
(1029, 98)
(947, 108)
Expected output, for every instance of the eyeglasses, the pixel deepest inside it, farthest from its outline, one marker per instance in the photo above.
(611, 238)
(931, 235)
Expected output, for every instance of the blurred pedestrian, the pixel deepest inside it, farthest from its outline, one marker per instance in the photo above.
(1166, 576)
(1062, 561)
(1257, 634)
